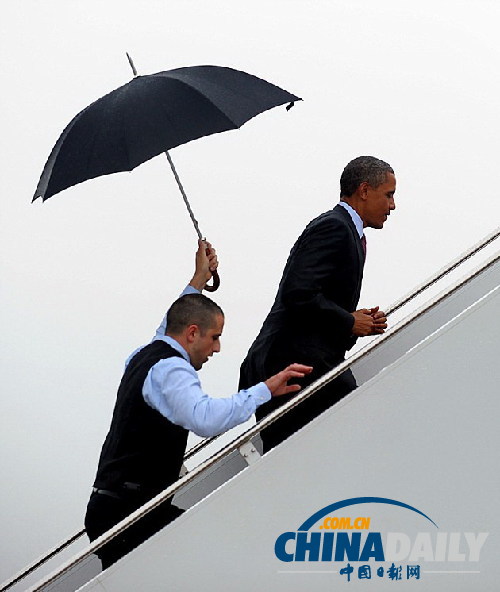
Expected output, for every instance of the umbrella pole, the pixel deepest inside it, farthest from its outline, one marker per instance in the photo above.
(184, 196)
(215, 275)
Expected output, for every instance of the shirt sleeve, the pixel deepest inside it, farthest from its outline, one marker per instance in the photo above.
(173, 388)
(160, 332)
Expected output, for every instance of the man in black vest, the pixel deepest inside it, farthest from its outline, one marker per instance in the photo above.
(159, 401)
(314, 317)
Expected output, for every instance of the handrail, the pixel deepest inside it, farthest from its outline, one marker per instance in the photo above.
(268, 420)
(445, 271)
(197, 447)
(25, 572)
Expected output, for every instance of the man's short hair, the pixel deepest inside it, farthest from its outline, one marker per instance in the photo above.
(192, 309)
(363, 169)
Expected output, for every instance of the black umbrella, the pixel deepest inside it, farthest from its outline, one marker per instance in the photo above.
(150, 115)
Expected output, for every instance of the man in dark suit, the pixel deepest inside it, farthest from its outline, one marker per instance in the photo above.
(314, 319)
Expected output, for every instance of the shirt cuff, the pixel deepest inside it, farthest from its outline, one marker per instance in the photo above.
(261, 393)
(190, 290)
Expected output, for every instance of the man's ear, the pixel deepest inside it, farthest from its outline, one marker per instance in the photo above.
(191, 332)
(363, 190)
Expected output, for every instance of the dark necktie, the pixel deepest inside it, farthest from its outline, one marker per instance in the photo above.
(363, 244)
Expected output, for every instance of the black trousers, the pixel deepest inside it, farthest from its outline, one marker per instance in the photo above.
(303, 413)
(104, 511)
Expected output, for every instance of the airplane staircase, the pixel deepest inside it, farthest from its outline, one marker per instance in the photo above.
(400, 478)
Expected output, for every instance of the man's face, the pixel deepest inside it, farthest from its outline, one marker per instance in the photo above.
(205, 344)
(379, 202)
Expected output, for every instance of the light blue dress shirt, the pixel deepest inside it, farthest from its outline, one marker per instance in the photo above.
(173, 388)
(354, 216)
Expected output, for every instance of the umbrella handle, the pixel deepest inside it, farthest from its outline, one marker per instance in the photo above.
(215, 283)
(215, 275)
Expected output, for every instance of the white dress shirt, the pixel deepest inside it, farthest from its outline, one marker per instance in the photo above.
(354, 216)
(173, 388)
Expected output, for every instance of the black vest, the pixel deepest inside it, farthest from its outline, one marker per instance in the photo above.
(142, 446)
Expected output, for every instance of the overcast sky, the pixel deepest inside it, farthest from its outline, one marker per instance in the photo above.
(87, 276)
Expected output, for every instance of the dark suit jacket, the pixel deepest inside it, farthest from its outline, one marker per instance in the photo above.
(310, 321)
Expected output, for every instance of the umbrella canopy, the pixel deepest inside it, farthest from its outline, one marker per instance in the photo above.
(150, 115)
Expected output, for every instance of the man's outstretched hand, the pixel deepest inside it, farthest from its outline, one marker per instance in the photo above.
(278, 384)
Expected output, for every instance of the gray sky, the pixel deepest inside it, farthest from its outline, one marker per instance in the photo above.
(87, 276)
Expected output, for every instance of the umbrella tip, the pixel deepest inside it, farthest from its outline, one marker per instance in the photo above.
(131, 62)
(40, 194)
